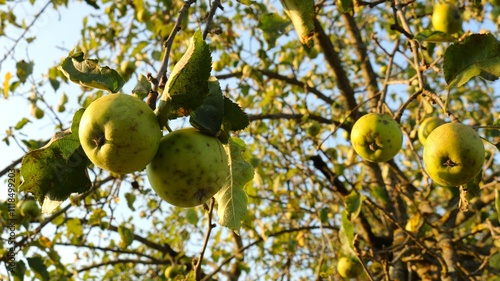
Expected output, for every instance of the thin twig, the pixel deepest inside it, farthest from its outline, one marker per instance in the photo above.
(160, 77)
(417, 241)
(215, 5)
(210, 226)
(26, 29)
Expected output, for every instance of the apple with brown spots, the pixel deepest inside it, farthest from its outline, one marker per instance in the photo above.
(376, 137)
(189, 168)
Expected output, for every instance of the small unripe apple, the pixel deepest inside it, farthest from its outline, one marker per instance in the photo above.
(189, 168)
(376, 137)
(446, 18)
(119, 133)
(427, 126)
(453, 154)
(29, 208)
(37, 112)
(348, 267)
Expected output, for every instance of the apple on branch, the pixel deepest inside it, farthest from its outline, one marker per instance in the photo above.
(349, 267)
(427, 126)
(453, 154)
(376, 137)
(189, 168)
(119, 133)
(446, 18)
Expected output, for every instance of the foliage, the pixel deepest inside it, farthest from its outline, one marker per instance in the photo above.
(283, 90)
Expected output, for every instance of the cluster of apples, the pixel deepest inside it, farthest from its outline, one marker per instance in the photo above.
(121, 134)
(453, 152)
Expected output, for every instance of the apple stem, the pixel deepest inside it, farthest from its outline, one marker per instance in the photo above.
(449, 163)
(100, 140)
(373, 147)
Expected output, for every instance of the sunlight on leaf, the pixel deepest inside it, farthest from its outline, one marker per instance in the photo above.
(301, 12)
(89, 73)
(353, 203)
(232, 199)
(346, 235)
(187, 85)
(477, 55)
(57, 169)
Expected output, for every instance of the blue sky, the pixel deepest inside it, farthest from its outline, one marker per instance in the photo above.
(56, 32)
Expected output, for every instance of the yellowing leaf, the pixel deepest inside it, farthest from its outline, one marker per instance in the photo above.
(301, 12)
(6, 81)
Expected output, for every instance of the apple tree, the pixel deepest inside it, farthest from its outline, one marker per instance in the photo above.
(251, 140)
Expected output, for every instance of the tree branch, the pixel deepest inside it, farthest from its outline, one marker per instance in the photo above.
(290, 116)
(210, 226)
(333, 59)
(294, 81)
(160, 79)
(360, 48)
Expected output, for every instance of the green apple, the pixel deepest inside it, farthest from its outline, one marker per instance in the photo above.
(427, 126)
(29, 208)
(119, 133)
(189, 168)
(37, 112)
(446, 18)
(349, 267)
(376, 137)
(127, 68)
(173, 271)
(453, 154)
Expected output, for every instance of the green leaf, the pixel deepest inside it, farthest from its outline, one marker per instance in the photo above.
(301, 12)
(126, 235)
(53, 74)
(142, 88)
(40, 269)
(208, 117)
(130, 197)
(92, 3)
(353, 203)
(192, 216)
(477, 55)
(345, 6)
(97, 216)
(273, 27)
(232, 199)
(346, 235)
(88, 73)
(75, 228)
(434, 36)
(495, 261)
(24, 70)
(235, 118)
(21, 123)
(56, 170)
(19, 271)
(245, 2)
(187, 85)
